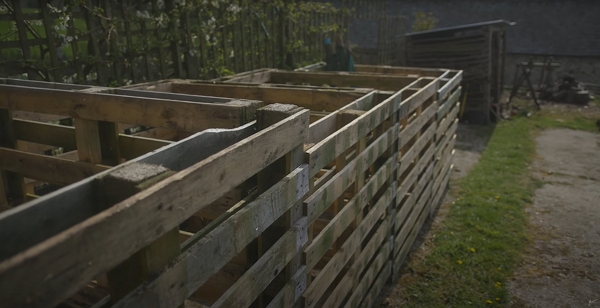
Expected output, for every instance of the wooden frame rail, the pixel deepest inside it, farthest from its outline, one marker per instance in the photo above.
(97, 136)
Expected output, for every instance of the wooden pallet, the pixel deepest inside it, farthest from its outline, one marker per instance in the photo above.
(294, 209)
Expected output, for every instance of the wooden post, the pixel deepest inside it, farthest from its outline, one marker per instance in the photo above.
(13, 186)
(88, 141)
(266, 117)
(119, 185)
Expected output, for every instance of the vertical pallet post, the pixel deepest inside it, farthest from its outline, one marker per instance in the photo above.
(119, 185)
(97, 141)
(267, 116)
(88, 142)
(12, 183)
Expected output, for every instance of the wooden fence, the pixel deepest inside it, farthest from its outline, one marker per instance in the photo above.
(314, 204)
(112, 43)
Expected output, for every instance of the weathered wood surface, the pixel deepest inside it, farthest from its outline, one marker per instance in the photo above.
(169, 113)
(372, 171)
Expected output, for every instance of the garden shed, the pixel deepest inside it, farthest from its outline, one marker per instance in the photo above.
(479, 49)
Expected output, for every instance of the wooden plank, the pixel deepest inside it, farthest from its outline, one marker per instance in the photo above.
(447, 137)
(423, 163)
(119, 185)
(326, 126)
(335, 265)
(411, 129)
(415, 100)
(445, 123)
(442, 165)
(379, 82)
(211, 252)
(109, 143)
(191, 190)
(292, 291)
(260, 275)
(371, 275)
(45, 133)
(317, 203)
(162, 90)
(19, 229)
(179, 115)
(450, 85)
(313, 99)
(408, 205)
(403, 249)
(411, 209)
(320, 244)
(51, 169)
(445, 107)
(440, 192)
(377, 286)
(134, 146)
(379, 241)
(409, 156)
(397, 70)
(334, 145)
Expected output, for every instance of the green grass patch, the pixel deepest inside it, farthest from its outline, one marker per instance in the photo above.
(481, 241)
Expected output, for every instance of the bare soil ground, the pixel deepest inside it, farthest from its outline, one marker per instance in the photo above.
(561, 267)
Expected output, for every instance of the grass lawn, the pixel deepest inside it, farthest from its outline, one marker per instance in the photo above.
(481, 241)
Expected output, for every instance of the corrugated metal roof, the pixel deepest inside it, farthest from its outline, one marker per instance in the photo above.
(500, 22)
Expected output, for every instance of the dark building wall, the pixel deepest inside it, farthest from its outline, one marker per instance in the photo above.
(556, 27)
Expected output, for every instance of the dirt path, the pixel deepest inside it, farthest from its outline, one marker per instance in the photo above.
(562, 266)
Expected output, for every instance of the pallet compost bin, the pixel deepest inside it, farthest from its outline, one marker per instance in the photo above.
(312, 200)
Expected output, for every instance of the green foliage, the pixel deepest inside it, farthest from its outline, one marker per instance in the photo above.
(203, 31)
(424, 21)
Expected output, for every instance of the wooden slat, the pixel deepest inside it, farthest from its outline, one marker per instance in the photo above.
(372, 274)
(378, 285)
(379, 82)
(212, 251)
(134, 146)
(47, 168)
(320, 244)
(411, 129)
(179, 115)
(44, 133)
(396, 70)
(411, 209)
(423, 164)
(409, 231)
(445, 123)
(20, 228)
(313, 99)
(335, 265)
(260, 275)
(417, 99)
(191, 190)
(409, 156)
(450, 85)
(292, 291)
(334, 145)
(318, 202)
(444, 108)
(380, 240)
